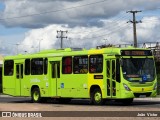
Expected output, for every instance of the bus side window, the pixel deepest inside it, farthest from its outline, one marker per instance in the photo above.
(67, 65)
(96, 64)
(118, 71)
(37, 66)
(27, 66)
(80, 64)
(17, 71)
(8, 67)
(45, 65)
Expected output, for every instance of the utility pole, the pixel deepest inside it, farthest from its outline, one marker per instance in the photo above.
(105, 41)
(61, 36)
(134, 25)
(40, 44)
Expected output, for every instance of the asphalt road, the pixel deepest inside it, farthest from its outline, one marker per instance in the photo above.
(139, 106)
(140, 102)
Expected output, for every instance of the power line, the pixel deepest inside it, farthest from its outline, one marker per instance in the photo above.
(152, 20)
(53, 11)
(112, 29)
(112, 22)
(111, 32)
(150, 9)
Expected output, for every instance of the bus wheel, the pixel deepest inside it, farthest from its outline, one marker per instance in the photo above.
(96, 97)
(36, 95)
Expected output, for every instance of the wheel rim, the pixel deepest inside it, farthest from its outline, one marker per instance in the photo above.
(97, 97)
(36, 95)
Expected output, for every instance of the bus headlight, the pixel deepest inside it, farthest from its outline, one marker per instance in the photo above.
(126, 87)
(155, 86)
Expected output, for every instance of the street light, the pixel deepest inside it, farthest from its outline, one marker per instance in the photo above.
(40, 44)
(105, 41)
(25, 51)
(17, 47)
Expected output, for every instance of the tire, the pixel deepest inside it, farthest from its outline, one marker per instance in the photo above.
(35, 95)
(96, 97)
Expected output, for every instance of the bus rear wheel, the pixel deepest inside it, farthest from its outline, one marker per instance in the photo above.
(36, 96)
(96, 97)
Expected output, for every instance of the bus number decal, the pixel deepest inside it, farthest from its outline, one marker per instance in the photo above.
(98, 76)
(35, 80)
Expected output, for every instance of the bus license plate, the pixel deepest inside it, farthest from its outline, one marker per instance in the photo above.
(142, 96)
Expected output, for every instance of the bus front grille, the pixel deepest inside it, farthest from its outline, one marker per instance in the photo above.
(142, 94)
(137, 84)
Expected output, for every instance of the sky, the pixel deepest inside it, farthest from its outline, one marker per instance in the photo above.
(28, 26)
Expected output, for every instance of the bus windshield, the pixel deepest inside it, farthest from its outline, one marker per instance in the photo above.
(138, 69)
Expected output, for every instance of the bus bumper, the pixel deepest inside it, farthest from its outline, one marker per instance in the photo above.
(131, 94)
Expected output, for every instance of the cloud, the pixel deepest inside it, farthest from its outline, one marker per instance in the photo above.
(87, 25)
(90, 37)
(148, 30)
(40, 13)
(40, 39)
(8, 43)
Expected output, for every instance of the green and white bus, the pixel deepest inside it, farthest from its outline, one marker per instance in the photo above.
(96, 74)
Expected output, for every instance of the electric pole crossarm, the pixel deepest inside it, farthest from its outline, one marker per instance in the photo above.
(134, 11)
(61, 36)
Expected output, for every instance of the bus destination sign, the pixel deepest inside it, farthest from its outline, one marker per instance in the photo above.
(136, 53)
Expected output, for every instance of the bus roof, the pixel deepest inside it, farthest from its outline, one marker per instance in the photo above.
(73, 51)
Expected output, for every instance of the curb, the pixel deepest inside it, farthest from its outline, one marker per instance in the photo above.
(155, 98)
(1, 95)
(147, 99)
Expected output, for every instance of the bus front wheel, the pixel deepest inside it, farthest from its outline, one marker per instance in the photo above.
(96, 97)
(36, 97)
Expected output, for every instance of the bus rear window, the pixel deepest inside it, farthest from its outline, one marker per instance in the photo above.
(8, 67)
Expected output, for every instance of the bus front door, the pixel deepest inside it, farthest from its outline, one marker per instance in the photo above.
(55, 74)
(19, 77)
(111, 78)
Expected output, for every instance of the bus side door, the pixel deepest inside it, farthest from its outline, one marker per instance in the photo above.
(112, 85)
(19, 79)
(55, 75)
